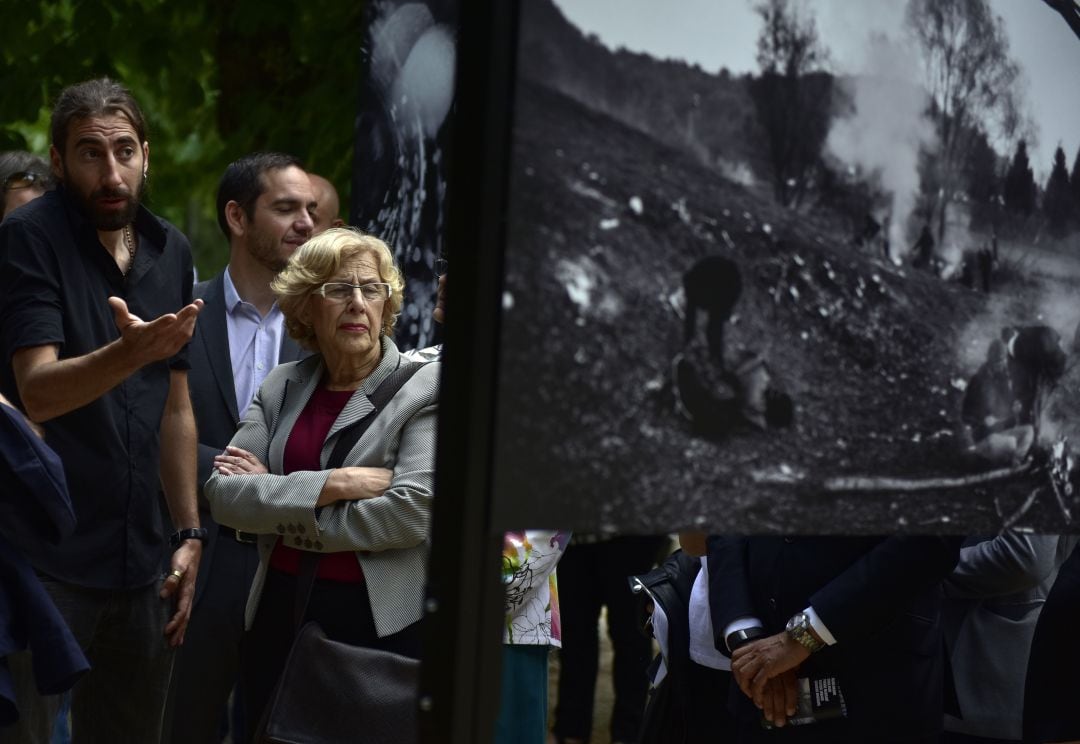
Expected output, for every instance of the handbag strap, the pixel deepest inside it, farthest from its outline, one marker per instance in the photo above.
(386, 390)
(347, 439)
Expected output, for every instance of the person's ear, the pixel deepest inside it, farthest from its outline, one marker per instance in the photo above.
(56, 162)
(236, 218)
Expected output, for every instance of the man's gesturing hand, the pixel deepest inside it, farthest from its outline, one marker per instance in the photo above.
(160, 338)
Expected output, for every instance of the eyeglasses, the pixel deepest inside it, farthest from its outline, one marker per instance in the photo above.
(24, 180)
(343, 291)
(441, 266)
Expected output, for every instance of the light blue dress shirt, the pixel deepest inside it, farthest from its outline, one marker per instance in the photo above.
(254, 343)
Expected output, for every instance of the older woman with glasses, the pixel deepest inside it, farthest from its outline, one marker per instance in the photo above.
(24, 177)
(368, 519)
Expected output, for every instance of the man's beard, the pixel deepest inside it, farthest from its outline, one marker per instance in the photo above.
(112, 220)
(266, 250)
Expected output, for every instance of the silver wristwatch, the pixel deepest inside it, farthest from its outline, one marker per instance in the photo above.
(798, 627)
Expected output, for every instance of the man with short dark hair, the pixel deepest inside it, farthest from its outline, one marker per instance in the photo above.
(265, 207)
(80, 268)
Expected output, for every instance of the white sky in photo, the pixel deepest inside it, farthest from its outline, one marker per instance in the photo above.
(723, 33)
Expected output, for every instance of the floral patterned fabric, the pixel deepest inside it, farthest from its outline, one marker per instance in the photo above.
(532, 592)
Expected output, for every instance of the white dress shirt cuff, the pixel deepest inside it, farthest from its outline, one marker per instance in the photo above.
(819, 627)
(741, 623)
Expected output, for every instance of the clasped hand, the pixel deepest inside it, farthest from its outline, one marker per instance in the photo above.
(236, 461)
(765, 669)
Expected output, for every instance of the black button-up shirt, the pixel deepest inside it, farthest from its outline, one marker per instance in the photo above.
(55, 279)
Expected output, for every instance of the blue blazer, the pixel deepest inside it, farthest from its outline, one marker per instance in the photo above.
(35, 511)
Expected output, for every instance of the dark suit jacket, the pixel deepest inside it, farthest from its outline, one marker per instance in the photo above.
(879, 597)
(213, 396)
(1053, 687)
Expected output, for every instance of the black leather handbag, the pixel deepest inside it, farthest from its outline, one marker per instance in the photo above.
(336, 693)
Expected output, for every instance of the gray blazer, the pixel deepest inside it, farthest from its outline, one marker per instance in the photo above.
(992, 602)
(390, 533)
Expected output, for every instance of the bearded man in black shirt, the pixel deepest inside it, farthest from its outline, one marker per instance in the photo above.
(95, 317)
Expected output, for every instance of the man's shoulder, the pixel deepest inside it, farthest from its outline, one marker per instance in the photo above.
(209, 286)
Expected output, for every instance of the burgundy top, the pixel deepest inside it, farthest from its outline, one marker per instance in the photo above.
(302, 453)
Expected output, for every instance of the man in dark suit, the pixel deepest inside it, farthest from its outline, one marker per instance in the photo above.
(265, 206)
(861, 610)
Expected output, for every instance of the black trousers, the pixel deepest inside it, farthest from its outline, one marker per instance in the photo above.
(592, 575)
(343, 611)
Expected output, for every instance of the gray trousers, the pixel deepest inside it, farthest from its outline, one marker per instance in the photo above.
(122, 697)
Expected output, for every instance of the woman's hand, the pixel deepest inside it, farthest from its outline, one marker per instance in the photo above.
(353, 484)
(235, 461)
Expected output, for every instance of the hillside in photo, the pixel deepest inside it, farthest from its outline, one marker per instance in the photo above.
(605, 218)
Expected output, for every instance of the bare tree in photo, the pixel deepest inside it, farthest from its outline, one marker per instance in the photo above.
(791, 97)
(972, 81)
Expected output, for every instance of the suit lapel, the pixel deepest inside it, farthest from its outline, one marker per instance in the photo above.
(359, 404)
(213, 326)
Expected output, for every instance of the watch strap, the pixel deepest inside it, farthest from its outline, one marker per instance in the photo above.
(191, 533)
(743, 636)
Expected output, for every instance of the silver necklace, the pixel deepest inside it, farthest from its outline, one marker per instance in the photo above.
(129, 241)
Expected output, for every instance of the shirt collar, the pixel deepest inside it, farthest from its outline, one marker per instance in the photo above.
(233, 299)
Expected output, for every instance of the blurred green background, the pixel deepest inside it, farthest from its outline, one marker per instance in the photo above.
(216, 79)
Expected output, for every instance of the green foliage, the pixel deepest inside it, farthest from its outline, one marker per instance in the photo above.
(216, 80)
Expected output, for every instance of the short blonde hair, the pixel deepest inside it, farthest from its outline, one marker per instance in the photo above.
(316, 262)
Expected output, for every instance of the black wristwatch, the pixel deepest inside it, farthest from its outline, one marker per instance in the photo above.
(744, 636)
(191, 533)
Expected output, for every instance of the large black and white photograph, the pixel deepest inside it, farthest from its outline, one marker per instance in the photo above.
(402, 129)
(787, 266)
